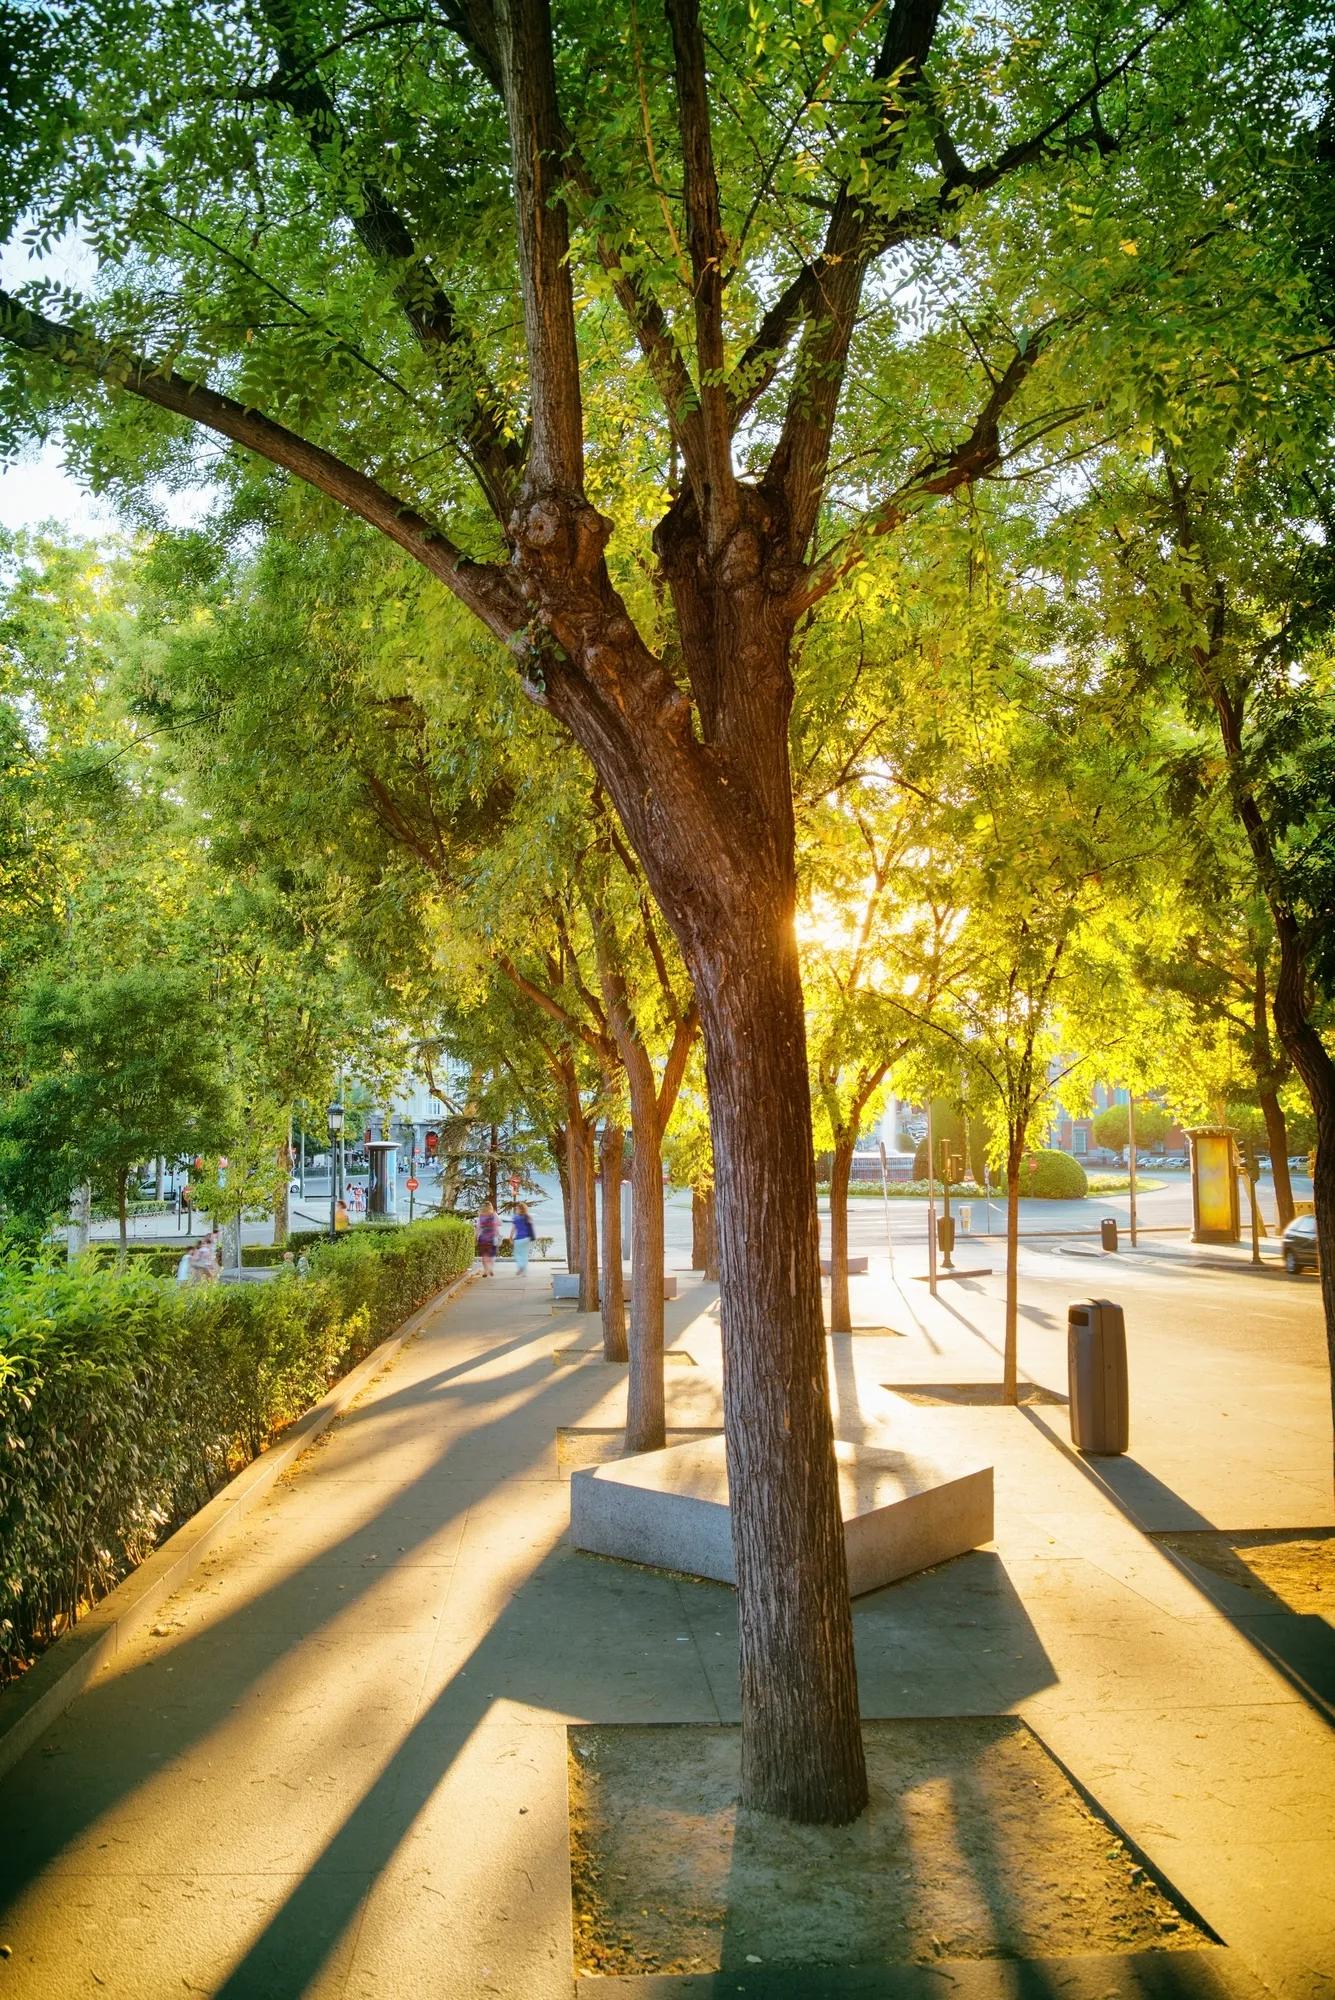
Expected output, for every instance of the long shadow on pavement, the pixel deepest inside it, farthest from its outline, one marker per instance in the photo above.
(1299, 1645)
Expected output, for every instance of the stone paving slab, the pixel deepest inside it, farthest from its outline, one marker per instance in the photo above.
(1204, 1975)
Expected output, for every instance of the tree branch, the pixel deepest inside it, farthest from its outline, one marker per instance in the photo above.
(488, 437)
(972, 459)
(798, 467)
(472, 21)
(802, 296)
(528, 76)
(716, 492)
(486, 589)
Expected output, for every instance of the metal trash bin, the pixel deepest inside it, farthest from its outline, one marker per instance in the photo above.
(1097, 1377)
(1108, 1232)
(945, 1234)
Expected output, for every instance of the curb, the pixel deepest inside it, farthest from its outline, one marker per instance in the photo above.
(65, 1668)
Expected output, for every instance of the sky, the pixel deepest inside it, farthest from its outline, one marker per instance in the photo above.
(39, 488)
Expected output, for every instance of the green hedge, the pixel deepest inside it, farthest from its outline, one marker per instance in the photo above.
(1056, 1177)
(126, 1402)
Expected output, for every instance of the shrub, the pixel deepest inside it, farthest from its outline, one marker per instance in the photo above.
(1057, 1177)
(125, 1402)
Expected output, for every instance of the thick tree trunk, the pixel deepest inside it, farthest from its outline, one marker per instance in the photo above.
(160, 1178)
(1277, 1139)
(841, 1170)
(611, 1153)
(801, 1742)
(645, 1404)
(1010, 1354)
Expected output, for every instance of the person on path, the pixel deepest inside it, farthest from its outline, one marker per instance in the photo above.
(488, 1235)
(342, 1220)
(521, 1234)
(204, 1261)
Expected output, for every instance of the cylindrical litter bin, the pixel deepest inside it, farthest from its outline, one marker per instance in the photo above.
(945, 1233)
(1097, 1378)
(1108, 1232)
(966, 1218)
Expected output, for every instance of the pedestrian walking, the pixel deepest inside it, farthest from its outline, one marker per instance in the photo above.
(342, 1220)
(488, 1235)
(521, 1235)
(204, 1261)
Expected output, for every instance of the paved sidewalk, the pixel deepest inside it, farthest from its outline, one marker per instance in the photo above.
(337, 1766)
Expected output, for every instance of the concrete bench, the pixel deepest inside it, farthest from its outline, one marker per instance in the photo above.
(669, 1286)
(565, 1285)
(857, 1267)
(902, 1511)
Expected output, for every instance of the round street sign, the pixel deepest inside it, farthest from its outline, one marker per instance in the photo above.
(412, 1184)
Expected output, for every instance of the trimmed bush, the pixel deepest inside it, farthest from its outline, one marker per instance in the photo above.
(125, 1402)
(1057, 1177)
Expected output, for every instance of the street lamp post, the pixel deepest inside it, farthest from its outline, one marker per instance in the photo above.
(335, 1117)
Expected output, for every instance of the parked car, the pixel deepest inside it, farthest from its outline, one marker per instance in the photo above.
(1299, 1163)
(1298, 1245)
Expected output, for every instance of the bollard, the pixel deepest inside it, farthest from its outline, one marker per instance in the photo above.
(1097, 1377)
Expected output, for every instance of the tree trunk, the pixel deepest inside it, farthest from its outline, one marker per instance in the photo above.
(280, 1218)
(160, 1178)
(711, 1236)
(646, 1419)
(1309, 1055)
(1277, 1139)
(584, 1204)
(801, 1742)
(611, 1154)
(1010, 1357)
(704, 1233)
(841, 1171)
(122, 1211)
(556, 1146)
(493, 1168)
(574, 1206)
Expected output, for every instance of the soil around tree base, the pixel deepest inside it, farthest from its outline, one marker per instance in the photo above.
(976, 1844)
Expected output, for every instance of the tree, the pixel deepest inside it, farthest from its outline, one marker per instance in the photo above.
(1112, 1126)
(121, 1068)
(332, 254)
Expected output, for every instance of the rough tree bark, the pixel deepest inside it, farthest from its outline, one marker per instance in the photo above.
(611, 1154)
(841, 1171)
(704, 1232)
